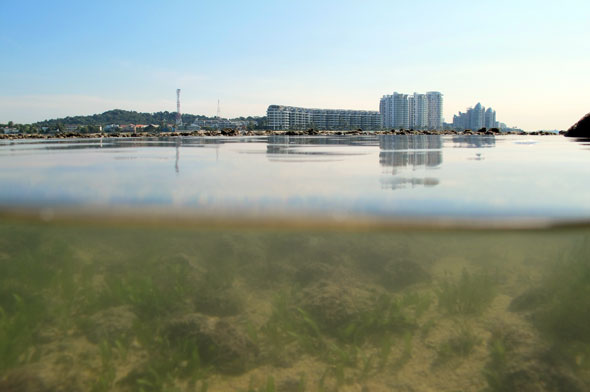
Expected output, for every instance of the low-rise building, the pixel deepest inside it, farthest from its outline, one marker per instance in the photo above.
(290, 117)
(127, 127)
(218, 123)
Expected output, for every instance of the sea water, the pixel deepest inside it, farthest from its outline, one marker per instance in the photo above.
(420, 263)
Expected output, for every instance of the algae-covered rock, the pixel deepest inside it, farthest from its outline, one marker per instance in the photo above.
(531, 299)
(110, 324)
(537, 376)
(218, 341)
(308, 273)
(40, 377)
(291, 384)
(332, 305)
(519, 361)
(402, 273)
(226, 302)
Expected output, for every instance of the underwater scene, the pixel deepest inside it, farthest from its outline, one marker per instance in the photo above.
(115, 306)
(256, 264)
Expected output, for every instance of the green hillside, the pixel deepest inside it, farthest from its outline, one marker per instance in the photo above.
(118, 116)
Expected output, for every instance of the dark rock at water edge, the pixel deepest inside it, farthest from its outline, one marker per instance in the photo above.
(581, 128)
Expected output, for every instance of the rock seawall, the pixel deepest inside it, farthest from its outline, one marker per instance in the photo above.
(237, 133)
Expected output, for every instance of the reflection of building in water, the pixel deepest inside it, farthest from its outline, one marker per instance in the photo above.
(285, 148)
(401, 182)
(473, 141)
(279, 144)
(415, 150)
(177, 155)
(324, 140)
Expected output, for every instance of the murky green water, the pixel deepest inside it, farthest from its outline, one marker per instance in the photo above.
(295, 264)
(112, 306)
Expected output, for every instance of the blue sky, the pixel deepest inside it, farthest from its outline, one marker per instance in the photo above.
(529, 60)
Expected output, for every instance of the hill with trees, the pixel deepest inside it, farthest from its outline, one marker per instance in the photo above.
(119, 116)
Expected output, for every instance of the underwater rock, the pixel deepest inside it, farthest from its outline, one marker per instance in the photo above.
(581, 128)
(374, 261)
(333, 306)
(291, 384)
(219, 303)
(110, 324)
(531, 299)
(402, 273)
(38, 378)
(47, 335)
(520, 362)
(219, 343)
(310, 272)
(537, 376)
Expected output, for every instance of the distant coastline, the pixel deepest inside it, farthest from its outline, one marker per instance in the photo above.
(235, 132)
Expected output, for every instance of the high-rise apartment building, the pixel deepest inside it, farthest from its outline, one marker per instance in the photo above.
(490, 118)
(435, 105)
(420, 111)
(395, 110)
(475, 118)
(290, 117)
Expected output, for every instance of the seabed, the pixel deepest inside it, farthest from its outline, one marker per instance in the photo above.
(116, 307)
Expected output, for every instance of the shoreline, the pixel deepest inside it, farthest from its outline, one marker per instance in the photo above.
(237, 133)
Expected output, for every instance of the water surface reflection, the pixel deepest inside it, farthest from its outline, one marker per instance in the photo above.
(478, 176)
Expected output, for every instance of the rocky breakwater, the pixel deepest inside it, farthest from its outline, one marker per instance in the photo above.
(581, 128)
(238, 133)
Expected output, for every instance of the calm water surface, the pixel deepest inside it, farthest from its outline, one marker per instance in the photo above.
(431, 176)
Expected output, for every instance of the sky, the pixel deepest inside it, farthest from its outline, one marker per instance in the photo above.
(528, 60)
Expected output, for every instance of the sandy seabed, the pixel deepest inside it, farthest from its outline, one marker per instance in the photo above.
(124, 308)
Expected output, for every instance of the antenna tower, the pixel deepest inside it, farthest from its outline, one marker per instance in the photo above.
(178, 116)
(218, 110)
